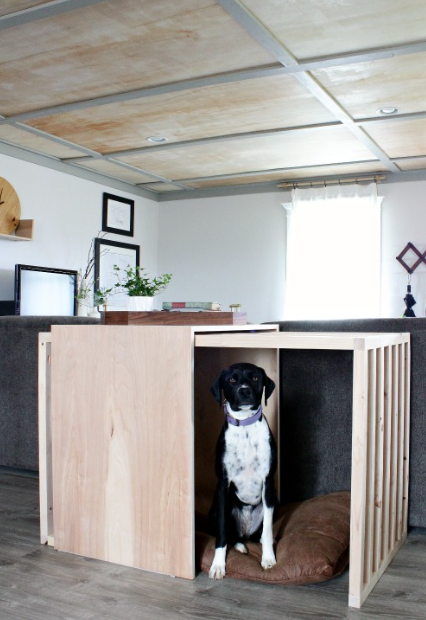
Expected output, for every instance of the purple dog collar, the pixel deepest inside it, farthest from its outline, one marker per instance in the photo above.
(246, 422)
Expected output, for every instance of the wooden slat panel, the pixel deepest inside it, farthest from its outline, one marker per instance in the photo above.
(401, 443)
(135, 43)
(118, 476)
(311, 29)
(406, 467)
(295, 148)
(191, 114)
(394, 447)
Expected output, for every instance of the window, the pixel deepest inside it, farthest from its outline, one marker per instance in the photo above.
(333, 253)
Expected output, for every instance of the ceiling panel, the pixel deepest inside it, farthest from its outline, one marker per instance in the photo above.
(24, 139)
(418, 163)
(193, 114)
(399, 138)
(292, 149)
(113, 47)
(103, 166)
(309, 28)
(244, 91)
(364, 88)
(13, 6)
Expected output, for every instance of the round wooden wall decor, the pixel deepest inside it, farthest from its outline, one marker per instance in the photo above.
(10, 208)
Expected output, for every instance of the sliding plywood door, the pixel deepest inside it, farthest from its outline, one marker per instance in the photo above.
(122, 426)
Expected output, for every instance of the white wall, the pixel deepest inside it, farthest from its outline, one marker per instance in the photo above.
(227, 249)
(67, 214)
(403, 220)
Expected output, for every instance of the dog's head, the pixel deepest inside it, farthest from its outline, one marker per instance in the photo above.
(242, 386)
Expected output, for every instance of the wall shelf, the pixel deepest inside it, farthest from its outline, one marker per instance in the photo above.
(24, 232)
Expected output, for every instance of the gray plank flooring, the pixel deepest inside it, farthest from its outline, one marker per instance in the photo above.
(39, 583)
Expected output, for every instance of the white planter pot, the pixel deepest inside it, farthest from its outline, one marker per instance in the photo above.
(141, 304)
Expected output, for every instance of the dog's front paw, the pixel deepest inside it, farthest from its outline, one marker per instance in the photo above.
(217, 571)
(268, 561)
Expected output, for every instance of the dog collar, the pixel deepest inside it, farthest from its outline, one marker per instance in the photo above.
(246, 422)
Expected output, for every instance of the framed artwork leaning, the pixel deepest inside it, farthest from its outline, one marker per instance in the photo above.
(107, 254)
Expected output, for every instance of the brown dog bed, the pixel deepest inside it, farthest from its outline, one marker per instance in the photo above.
(312, 544)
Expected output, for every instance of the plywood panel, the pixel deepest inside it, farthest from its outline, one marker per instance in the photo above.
(103, 166)
(283, 175)
(295, 148)
(252, 105)
(13, 6)
(119, 46)
(123, 445)
(418, 163)
(364, 88)
(22, 138)
(399, 138)
(310, 29)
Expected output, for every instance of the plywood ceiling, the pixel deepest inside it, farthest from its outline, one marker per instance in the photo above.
(244, 92)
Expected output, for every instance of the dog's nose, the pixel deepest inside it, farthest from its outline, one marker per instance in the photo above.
(244, 392)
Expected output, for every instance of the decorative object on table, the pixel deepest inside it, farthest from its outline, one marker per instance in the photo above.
(10, 208)
(235, 307)
(118, 215)
(140, 287)
(109, 254)
(192, 306)
(409, 301)
(86, 304)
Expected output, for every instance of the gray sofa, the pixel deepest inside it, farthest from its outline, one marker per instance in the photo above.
(316, 413)
(19, 388)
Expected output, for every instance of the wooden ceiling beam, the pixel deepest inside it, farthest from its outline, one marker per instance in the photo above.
(42, 11)
(262, 35)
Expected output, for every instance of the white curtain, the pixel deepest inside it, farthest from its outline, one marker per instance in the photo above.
(333, 253)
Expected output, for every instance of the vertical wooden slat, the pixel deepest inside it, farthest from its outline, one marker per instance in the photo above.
(358, 479)
(378, 495)
(370, 465)
(387, 443)
(394, 448)
(401, 441)
(45, 440)
(407, 366)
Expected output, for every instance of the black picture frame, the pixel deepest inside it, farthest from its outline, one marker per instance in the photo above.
(107, 254)
(118, 215)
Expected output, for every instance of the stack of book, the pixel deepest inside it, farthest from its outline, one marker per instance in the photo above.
(192, 306)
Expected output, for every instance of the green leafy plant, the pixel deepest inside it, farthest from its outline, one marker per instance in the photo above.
(137, 283)
(101, 296)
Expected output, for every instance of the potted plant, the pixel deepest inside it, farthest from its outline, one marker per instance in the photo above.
(140, 287)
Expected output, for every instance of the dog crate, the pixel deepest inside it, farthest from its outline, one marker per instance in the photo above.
(120, 469)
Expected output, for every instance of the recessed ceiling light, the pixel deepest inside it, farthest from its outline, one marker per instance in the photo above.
(157, 139)
(387, 111)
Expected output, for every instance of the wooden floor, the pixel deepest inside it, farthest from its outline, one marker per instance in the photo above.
(39, 583)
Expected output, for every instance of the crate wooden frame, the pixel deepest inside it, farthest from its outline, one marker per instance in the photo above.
(380, 437)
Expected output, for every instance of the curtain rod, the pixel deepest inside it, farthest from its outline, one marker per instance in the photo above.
(293, 185)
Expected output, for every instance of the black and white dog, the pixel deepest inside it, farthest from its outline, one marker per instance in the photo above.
(246, 460)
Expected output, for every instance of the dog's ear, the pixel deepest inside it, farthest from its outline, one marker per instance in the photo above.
(269, 386)
(216, 389)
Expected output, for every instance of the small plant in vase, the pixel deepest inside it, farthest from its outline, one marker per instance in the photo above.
(139, 286)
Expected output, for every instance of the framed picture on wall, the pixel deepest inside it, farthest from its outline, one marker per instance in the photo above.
(110, 253)
(118, 215)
